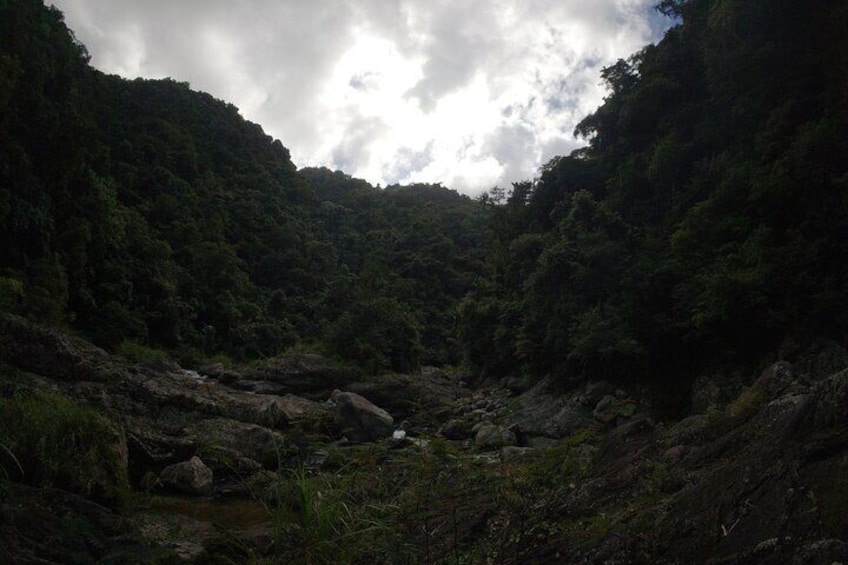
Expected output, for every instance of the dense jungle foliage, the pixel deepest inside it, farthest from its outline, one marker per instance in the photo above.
(704, 226)
(143, 212)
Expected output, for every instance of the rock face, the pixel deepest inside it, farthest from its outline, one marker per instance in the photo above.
(189, 477)
(359, 419)
(307, 375)
(763, 482)
(241, 440)
(163, 415)
(543, 413)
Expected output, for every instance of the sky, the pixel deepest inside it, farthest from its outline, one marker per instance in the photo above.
(469, 93)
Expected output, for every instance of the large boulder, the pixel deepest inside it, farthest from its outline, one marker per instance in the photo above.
(424, 399)
(228, 440)
(543, 412)
(359, 419)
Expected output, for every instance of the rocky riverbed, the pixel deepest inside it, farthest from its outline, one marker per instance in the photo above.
(300, 460)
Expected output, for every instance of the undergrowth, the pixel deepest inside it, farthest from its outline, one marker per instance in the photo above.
(52, 441)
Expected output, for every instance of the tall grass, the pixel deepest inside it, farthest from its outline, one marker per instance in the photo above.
(55, 442)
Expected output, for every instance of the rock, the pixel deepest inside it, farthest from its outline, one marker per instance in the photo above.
(231, 437)
(43, 525)
(260, 387)
(517, 385)
(189, 477)
(693, 430)
(778, 380)
(604, 403)
(479, 415)
(359, 419)
(543, 412)
(307, 375)
(457, 429)
(595, 391)
(706, 392)
(151, 449)
(220, 373)
(50, 353)
(491, 436)
(513, 453)
(611, 410)
(426, 399)
(258, 539)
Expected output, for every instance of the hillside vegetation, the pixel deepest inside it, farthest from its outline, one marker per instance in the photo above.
(144, 212)
(638, 356)
(705, 226)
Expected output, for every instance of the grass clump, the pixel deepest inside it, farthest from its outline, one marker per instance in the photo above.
(749, 401)
(336, 520)
(51, 441)
(135, 352)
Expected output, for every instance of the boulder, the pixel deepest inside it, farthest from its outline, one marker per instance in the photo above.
(491, 436)
(189, 477)
(230, 439)
(184, 393)
(426, 399)
(456, 429)
(48, 352)
(595, 391)
(220, 373)
(359, 419)
(542, 412)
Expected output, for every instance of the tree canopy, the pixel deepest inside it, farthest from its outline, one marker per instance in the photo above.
(704, 224)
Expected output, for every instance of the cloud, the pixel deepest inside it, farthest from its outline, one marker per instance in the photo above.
(470, 94)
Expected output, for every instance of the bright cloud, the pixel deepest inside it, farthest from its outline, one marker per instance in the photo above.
(469, 93)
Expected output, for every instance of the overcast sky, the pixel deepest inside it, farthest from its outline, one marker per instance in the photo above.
(469, 93)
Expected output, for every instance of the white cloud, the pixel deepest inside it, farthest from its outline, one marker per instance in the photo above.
(469, 93)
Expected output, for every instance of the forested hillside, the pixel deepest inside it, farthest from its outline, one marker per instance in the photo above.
(640, 356)
(142, 212)
(704, 228)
